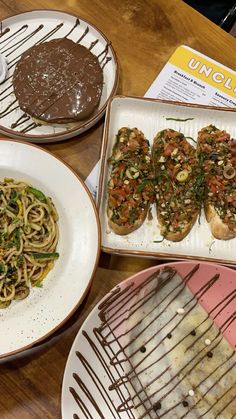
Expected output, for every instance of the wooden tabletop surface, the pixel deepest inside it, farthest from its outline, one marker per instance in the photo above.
(144, 33)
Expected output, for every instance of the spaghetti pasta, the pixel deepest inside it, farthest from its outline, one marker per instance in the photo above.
(28, 239)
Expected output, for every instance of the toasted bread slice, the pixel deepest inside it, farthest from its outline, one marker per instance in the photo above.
(219, 229)
(130, 187)
(176, 236)
(126, 227)
(216, 150)
(178, 186)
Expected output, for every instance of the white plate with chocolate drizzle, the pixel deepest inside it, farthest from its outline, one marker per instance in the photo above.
(61, 72)
(161, 344)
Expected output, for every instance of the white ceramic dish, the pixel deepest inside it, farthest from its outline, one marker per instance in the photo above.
(31, 320)
(50, 24)
(130, 329)
(150, 116)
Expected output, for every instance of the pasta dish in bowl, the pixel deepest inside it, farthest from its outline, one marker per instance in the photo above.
(49, 245)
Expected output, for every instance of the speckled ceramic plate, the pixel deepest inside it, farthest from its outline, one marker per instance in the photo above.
(160, 344)
(152, 116)
(31, 320)
(20, 32)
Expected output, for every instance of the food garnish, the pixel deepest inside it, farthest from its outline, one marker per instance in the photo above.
(178, 184)
(179, 119)
(216, 150)
(130, 186)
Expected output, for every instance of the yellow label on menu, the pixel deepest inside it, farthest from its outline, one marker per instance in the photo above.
(206, 70)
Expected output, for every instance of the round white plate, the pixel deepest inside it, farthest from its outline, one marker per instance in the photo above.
(20, 32)
(118, 337)
(26, 322)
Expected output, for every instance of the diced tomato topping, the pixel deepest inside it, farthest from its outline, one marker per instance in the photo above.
(132, 203)
(175, 223)
(233, 161)
(216, 185)
(224, 136)
(229, 198)
(168, 150)
(119, 192)
(113, 201)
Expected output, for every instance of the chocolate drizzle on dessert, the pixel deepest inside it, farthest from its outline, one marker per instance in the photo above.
(14, 61)
(9, 109)
(30, 127)
(23, 118)
(157, 406)
(18, 31)
(3, 32)
(82, 107)
(18, 44)
(130, 315)
(77, 23)
(83, 35)
(6, 96)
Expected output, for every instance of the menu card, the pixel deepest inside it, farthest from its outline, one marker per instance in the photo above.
(188, 76)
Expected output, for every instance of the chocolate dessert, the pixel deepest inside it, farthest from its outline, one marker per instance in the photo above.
(58, 81)
(159, 353)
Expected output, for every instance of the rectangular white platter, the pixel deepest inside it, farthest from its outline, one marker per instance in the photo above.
(151, 116)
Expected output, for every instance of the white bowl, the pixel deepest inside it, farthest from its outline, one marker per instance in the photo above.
(27, 322)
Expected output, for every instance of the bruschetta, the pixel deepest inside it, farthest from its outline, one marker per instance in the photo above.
(179, 184)
(217, 151)
(130, 186)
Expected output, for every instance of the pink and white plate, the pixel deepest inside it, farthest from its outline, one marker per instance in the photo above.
(160, 344)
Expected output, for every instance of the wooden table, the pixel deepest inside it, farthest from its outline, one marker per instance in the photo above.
(144, 33)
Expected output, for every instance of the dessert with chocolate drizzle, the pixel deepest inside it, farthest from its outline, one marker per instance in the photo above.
(58, 81)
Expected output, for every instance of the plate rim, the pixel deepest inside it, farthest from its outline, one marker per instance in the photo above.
(105, 141)
(62, 136)
(45, 337)
(122, 283)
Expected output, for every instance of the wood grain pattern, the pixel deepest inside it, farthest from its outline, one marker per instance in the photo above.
(144, 34)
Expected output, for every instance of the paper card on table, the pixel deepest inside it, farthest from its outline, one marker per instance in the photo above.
(92, 180)
(190, 76)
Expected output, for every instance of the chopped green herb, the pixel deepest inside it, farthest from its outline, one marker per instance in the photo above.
(210, 140)
(15, 239)
(210, 247)
(37, 193)
(15, 220)
(39, 285)
(211, 128)
(179, 119)
(2, 268)
(132, 215)
(199, 218)
(45, 255)
(20, 260)
(142, 185)
(14, 196)
(159, 241)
